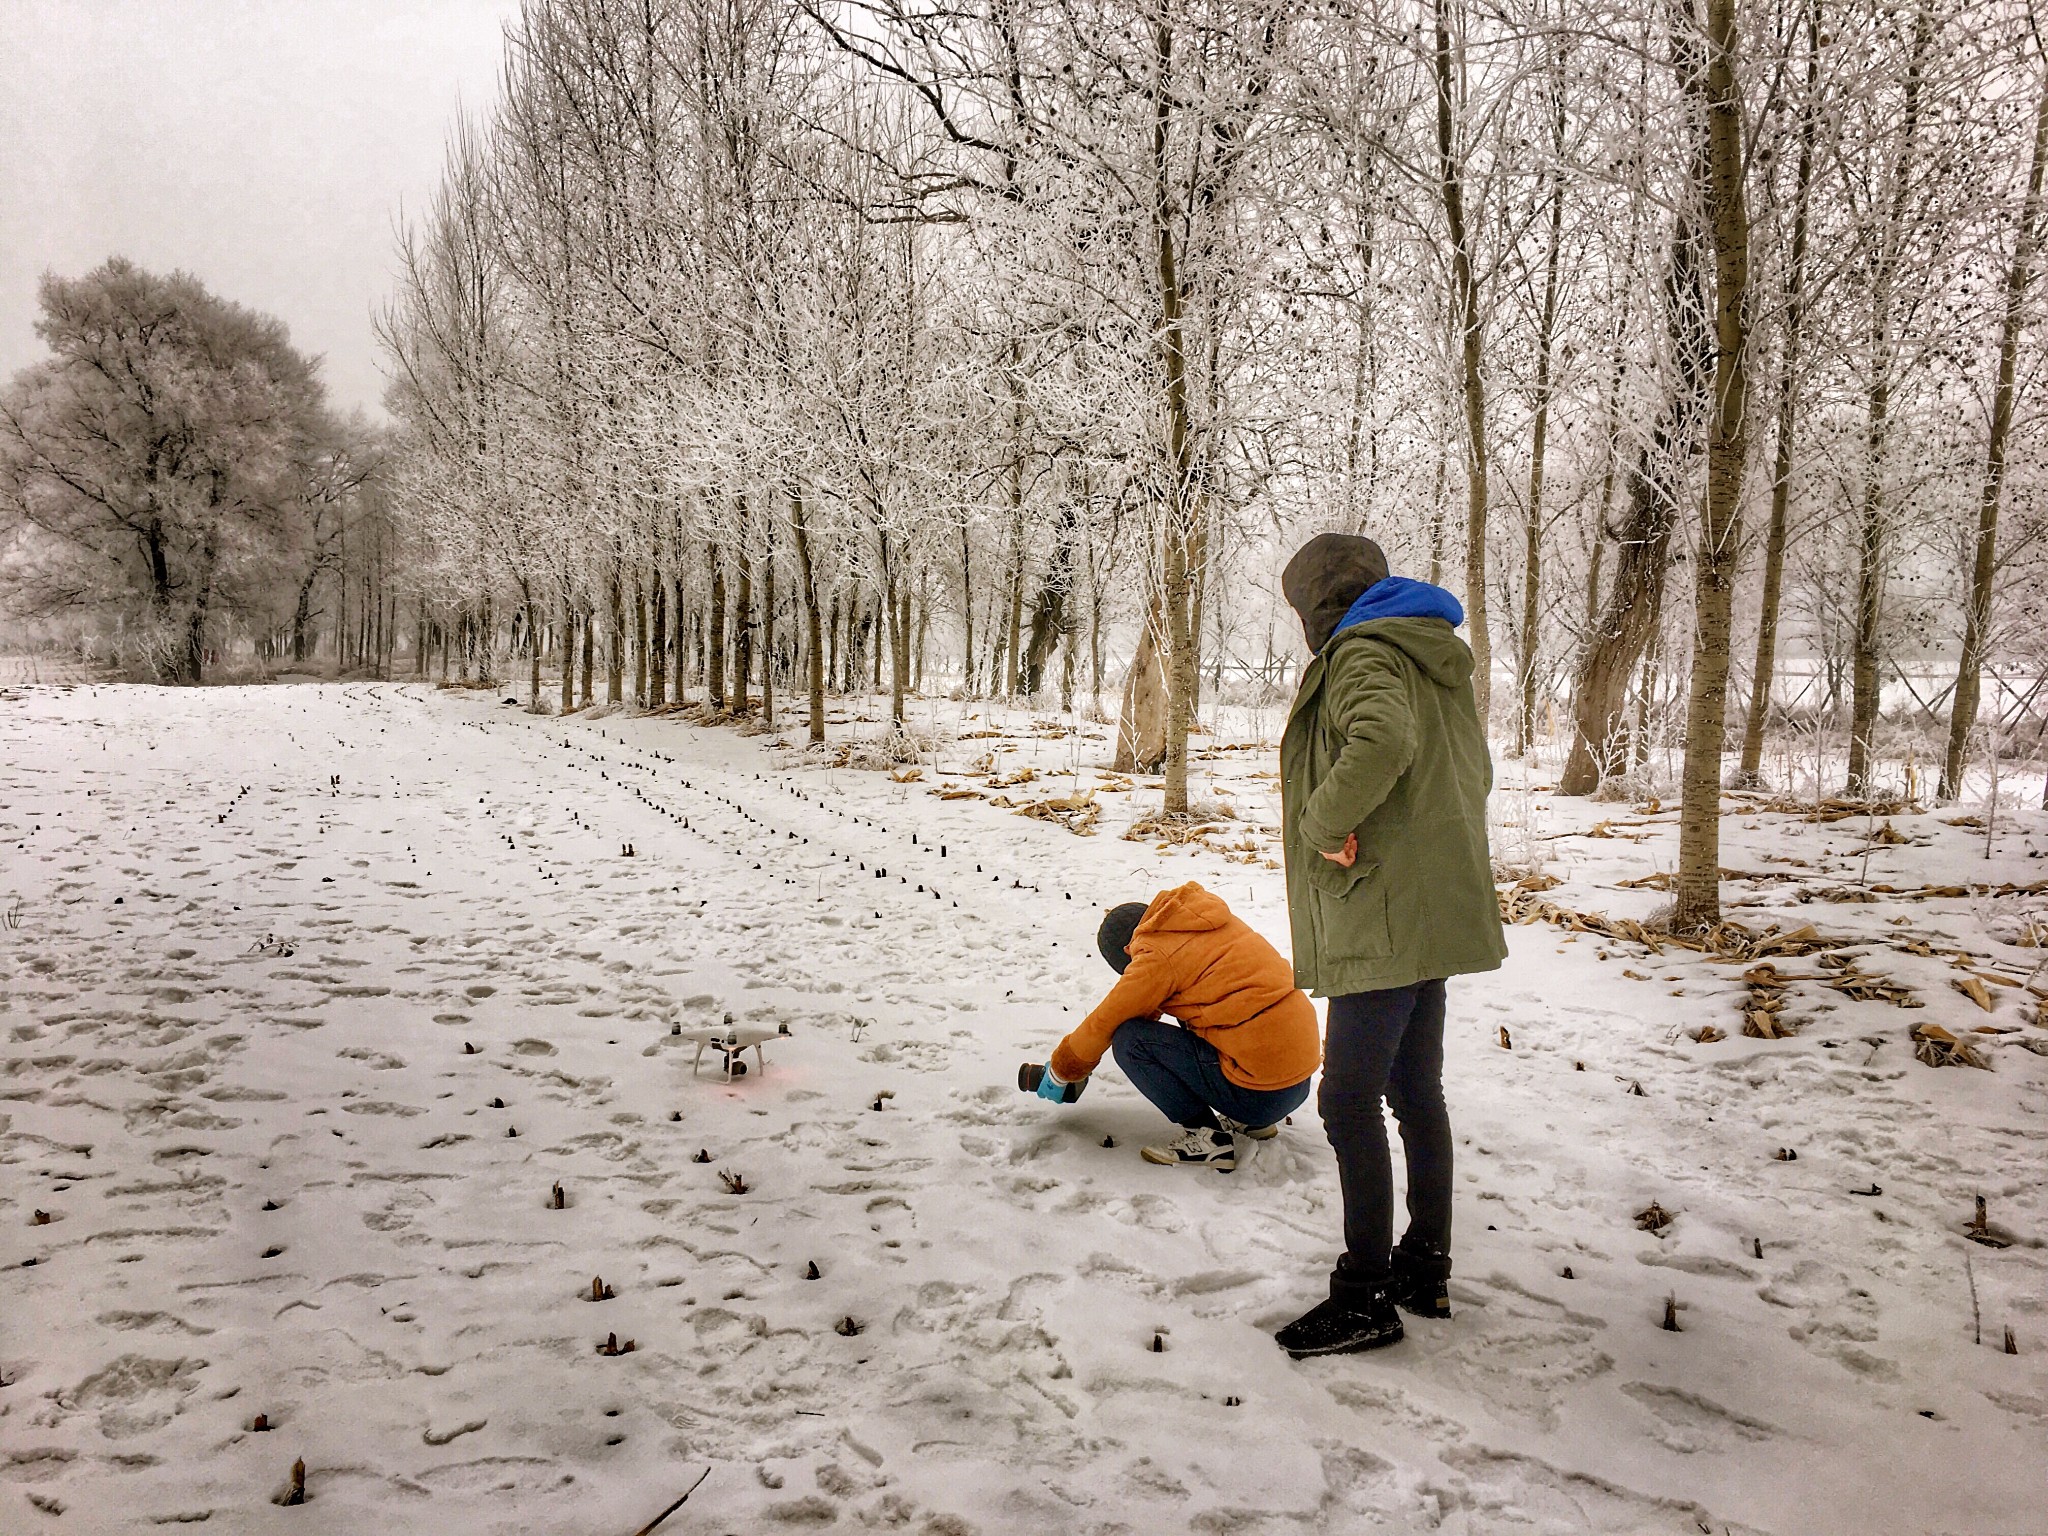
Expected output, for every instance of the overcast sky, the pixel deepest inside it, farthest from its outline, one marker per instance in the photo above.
(266, 146)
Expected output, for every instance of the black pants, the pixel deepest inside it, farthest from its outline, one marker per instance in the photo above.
(1388, 1045)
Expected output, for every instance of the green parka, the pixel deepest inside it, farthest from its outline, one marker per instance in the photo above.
(1384, 740)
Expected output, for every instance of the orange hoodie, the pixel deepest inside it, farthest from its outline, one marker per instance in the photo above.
(1192, 958)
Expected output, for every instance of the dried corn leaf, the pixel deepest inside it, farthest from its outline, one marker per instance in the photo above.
(1077, 812)
(1936, 1047)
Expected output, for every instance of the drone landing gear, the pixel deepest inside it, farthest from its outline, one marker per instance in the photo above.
(731, 1057)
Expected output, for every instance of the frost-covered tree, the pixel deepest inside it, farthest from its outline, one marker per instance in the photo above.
(150, 467)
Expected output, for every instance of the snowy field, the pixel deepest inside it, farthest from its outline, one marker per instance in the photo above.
(240, 1181)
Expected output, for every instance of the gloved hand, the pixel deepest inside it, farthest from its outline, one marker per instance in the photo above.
(1032, 1077)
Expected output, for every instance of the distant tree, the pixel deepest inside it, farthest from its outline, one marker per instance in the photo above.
(151, 467)
(336, 471)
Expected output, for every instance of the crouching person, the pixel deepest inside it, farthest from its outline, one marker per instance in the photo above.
(1240, 1056)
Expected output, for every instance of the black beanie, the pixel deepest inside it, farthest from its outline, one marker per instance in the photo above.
(1114, 936)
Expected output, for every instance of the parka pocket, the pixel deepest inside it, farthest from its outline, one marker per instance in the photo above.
(1335, 880)
(1353, 912)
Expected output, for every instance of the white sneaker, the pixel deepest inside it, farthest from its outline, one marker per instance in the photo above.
(1250, 1132)
(1200, 1147)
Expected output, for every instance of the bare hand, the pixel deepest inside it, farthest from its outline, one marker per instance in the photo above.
(1346, 856)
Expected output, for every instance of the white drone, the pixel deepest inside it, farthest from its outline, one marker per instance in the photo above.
(732, 1042)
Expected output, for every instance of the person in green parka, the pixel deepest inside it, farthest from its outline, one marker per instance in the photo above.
(1384, 776)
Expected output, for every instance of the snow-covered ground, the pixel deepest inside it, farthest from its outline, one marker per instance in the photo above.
(279, 1183)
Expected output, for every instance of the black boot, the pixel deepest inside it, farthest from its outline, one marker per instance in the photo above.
(1359, 1315)
(1420, 1281)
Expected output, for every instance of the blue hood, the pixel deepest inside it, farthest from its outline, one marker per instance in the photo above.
(1401, 597)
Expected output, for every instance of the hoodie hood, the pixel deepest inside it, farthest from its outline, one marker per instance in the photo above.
(1405, 612)
(1402, 597)
(1326, 576)
(1185, 909)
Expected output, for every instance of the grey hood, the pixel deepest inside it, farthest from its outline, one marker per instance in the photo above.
(1326, 576)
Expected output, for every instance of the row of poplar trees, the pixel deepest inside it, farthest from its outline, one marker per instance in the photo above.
(759, 340)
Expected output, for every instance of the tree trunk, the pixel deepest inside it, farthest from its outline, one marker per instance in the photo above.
(1984, 561)
(966, 613)
(1358, 433)
(852, 653)
(1436, 510)
(807, 584)
(1646, 693)
(158, 559)
(615, 651)
(1095, 606)
(894, 620)
(639, 645)
(1067, 668)
(877, 626)
(1182, 510)
(302, 613)
(589, 654)
(1872, 552)
(1539, 440)
(924, 630)
(657, 644)
(680, 629)
(1465, 310)
(1611, 436)
(1198, 604)
(533, 660)
(1141, 721)
(832, 672)
(899, 658)
(742, 617)
(1720, 546)
(341, 601)
(768, 618)
(1049, 606)
(1635, 598)
(714, 662)
(192, 667)
(1013, 681)
(1763, 672)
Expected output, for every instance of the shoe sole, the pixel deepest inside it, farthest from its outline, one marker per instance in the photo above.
(1166, 1160)
(1433, 1312)
(1358, 1347)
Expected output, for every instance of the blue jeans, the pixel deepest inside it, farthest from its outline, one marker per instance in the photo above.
(1183, 1074)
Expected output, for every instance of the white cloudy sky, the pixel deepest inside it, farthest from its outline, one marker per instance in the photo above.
(266, 146)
